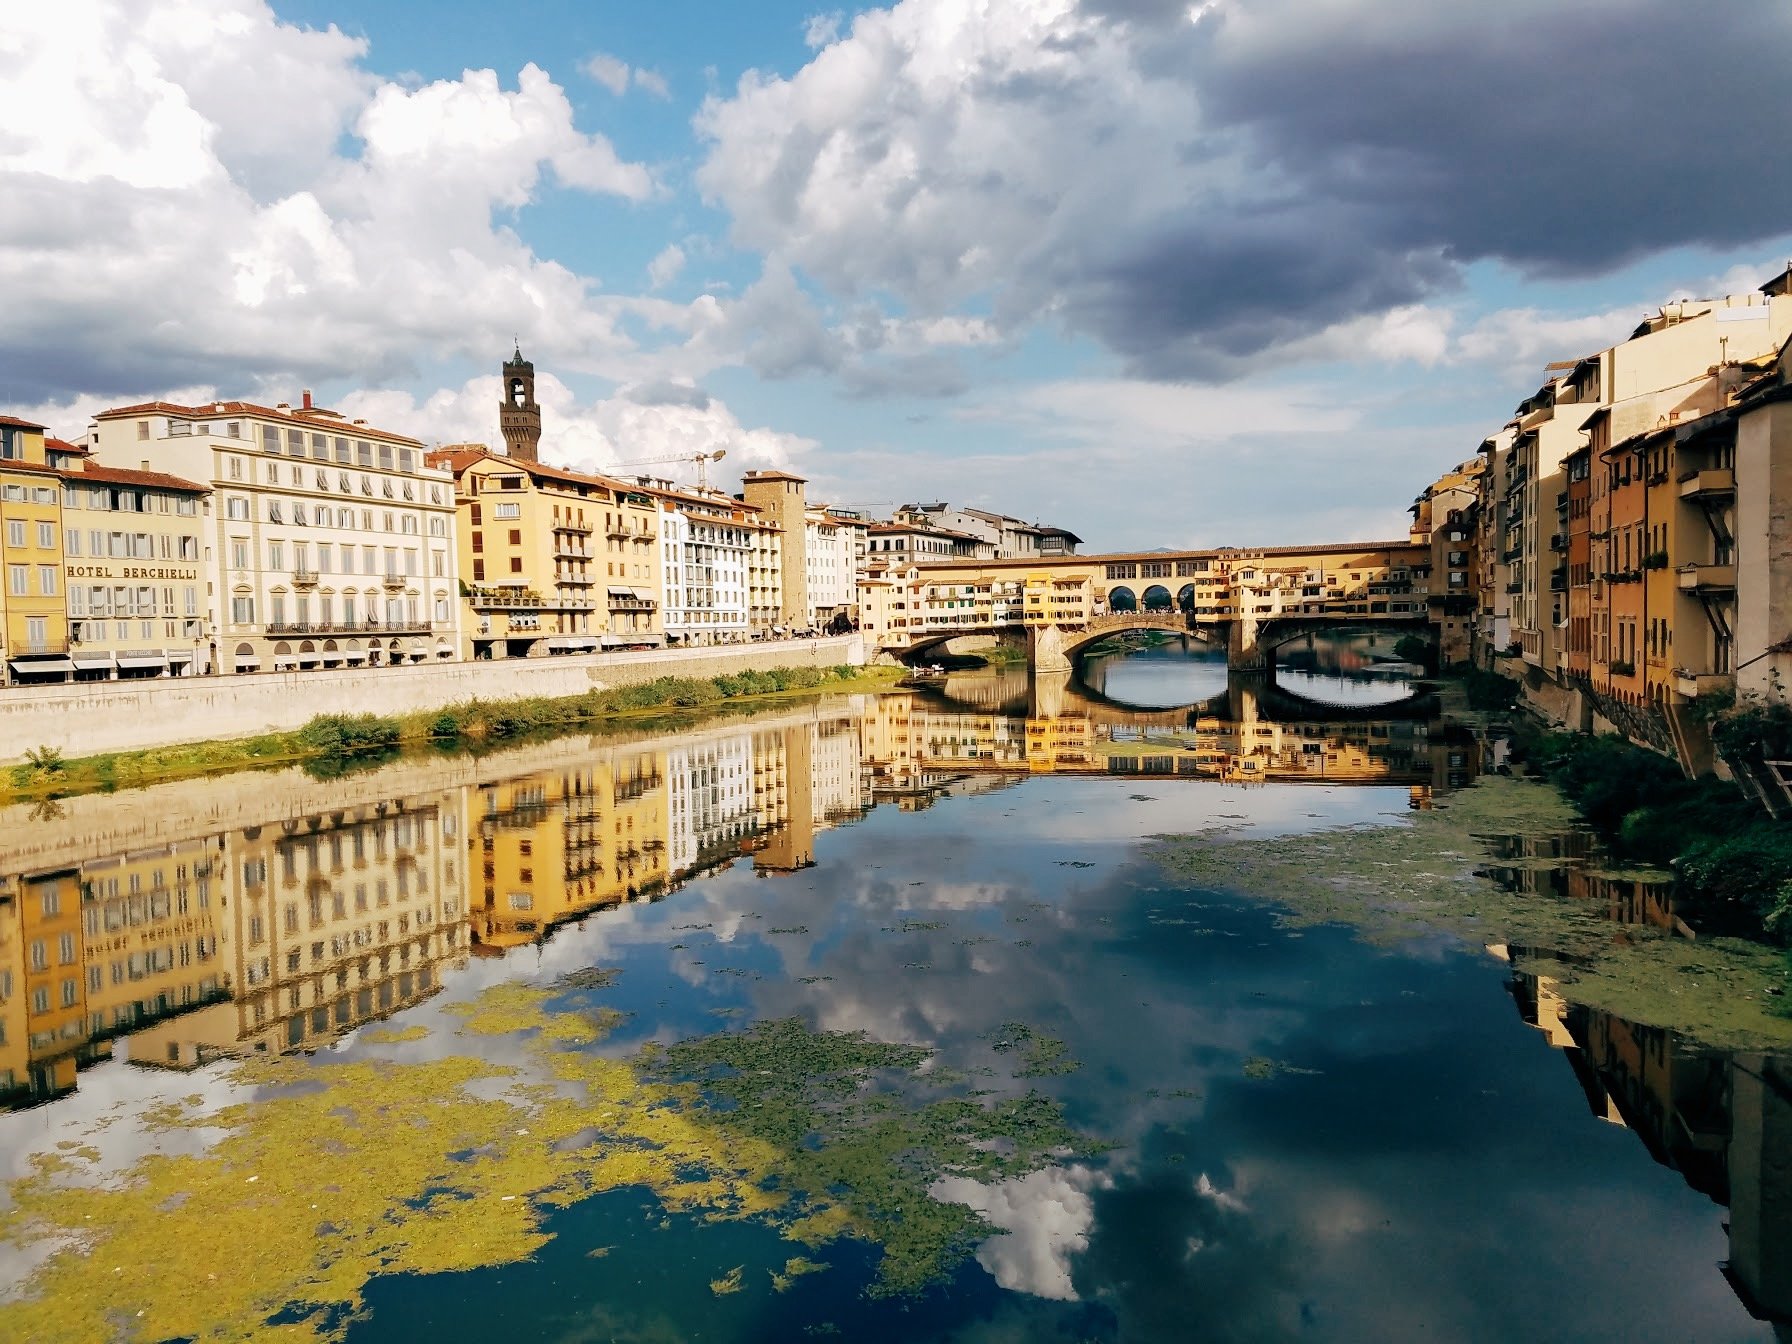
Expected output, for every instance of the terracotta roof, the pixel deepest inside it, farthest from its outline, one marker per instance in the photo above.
(64, 446)
(774, 476)
(36, 468)
(543, 471)
(155, 480)
(17, 423)
(315, 418)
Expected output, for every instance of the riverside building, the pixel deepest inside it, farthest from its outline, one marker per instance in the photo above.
(330, 542)
(717, 565)
(555, 561)
(33, 618)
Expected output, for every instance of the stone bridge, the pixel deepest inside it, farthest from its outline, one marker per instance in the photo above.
(1248, 600)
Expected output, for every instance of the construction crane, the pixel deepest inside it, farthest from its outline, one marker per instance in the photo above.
(701, 459)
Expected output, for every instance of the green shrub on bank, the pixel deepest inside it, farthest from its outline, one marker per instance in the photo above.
(335, 734)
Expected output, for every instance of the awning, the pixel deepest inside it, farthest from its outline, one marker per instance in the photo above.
(285, 662)
(331, 658)
(42, 667)
(180, 656)
(444, 650)
(140, 661)
(356, 656)
(561, 644)
(612, 641)
(622, 592)
(644, 595)
(92, 662)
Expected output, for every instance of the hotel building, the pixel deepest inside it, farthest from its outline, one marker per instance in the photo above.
(330, 542)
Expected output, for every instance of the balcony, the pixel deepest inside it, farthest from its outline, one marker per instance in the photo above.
(1559, 541)
(1716, 483)
(1707, 579)
(575, 580)
(1694, 684)
(631, 603)
(370, 626)
(304, 578)
(577, 529)
(393, 583)
(566, 550)
(35, 647)
(504, 599)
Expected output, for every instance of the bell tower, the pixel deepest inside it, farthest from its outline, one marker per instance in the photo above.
(518, 416)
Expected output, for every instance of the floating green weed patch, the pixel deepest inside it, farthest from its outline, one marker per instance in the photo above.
(1416, 875)
(336, 1172)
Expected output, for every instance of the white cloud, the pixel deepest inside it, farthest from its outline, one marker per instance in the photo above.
(610, 71)
(665, 267)
(1522, 340)
(822, 30)
(667, 420)
(190, 214)
(1045, 1218)
(616, 74)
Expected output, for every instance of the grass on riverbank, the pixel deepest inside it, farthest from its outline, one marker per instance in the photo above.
(333, 743)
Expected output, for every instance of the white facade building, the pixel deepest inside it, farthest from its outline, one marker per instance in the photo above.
(713, 566)
(330, 543)
(710, 802)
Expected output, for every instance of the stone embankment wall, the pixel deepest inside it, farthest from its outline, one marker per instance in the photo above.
(87, 719)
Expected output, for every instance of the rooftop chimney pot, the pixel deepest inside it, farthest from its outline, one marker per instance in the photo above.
(307, 398)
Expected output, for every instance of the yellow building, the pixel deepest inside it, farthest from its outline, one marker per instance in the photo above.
(552, 561)
(53, 985)
(133, 560)
(33, 619)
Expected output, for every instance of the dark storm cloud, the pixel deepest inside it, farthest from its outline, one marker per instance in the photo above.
(1555, 137)
(1195, 183)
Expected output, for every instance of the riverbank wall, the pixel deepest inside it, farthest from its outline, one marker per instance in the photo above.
(89, 719)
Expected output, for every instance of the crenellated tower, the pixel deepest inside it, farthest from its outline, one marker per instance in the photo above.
(518, 415)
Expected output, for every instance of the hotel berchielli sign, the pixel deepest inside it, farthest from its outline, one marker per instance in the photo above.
(104, 571)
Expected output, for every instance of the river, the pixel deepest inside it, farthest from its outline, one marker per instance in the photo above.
(876, 1018)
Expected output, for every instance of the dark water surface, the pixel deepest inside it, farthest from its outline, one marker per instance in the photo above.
(336, 1058)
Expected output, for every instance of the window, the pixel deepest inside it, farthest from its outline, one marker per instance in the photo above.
(239, 554)
(46, 536)
(18, 580)
(237, 507)
(505, 512)
(242, 610)
(46, 580)
(72, 539)
(15, 533)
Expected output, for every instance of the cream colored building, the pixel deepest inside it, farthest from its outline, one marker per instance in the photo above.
(330, 542)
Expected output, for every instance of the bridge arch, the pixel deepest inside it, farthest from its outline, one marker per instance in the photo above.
(1275, 632)
(1157, 598)
(1122, 598)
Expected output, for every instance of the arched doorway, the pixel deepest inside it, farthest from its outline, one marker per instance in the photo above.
(1122, 599)
(1157, 598)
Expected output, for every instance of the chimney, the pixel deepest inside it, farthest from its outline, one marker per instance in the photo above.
(282, 406)
(307, 398)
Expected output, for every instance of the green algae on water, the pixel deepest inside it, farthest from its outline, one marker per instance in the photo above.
(1415, 876)
(329, 1173)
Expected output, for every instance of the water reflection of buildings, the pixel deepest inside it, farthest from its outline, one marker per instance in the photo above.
(297, 922)
(1565, 864)
(915, 746)
(1722, 1119)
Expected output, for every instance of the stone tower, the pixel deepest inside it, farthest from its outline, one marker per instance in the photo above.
(518, 415)
(780, 498)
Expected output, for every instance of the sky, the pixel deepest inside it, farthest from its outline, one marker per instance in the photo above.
(1167, 274)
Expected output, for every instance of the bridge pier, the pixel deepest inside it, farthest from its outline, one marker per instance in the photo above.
(1245, 653)
(1045, 649)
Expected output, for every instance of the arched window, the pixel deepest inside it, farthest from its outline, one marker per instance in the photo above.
(1122, 599)
(1185, 599)
(1157, 598)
